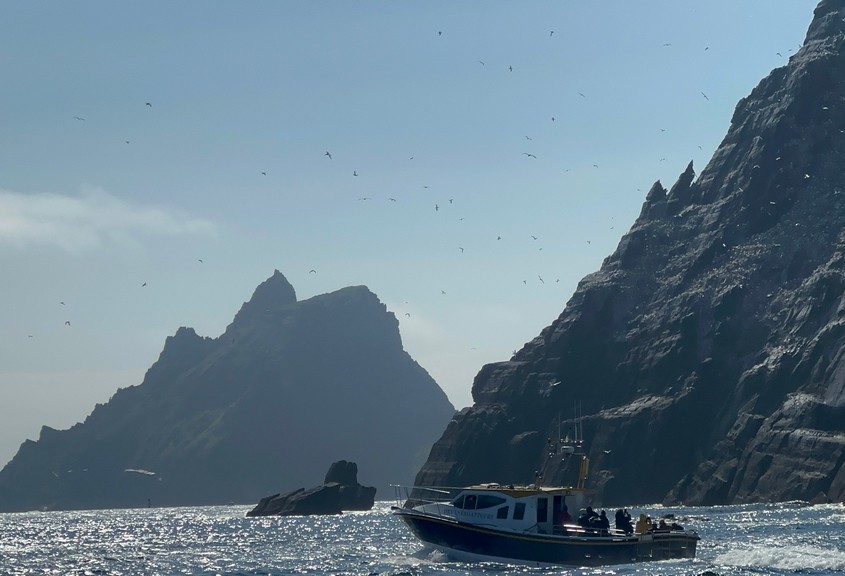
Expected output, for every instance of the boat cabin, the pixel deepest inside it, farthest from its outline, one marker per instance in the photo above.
(515, 508)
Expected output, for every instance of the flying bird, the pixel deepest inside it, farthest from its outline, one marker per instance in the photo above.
(79, 118)
(264, 173)
(354, 172)
(482, 62)
(705, 96)
(148, 104)
(312, 271)
(67, 322)
(328, 154)
(529, 155)
(144, 284)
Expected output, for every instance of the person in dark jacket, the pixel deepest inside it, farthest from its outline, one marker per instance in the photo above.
(603, 523)
(623, 521)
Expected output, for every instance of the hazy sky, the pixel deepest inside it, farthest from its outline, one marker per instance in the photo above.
(158, 160)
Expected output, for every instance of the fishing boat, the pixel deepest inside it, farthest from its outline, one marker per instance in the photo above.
(531, 524)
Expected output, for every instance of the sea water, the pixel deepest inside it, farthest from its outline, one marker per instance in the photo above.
(779, 539)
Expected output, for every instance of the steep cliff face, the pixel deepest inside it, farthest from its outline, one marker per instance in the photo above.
(707, 355)
(287, 389)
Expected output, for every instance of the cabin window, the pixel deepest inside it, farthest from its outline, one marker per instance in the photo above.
(488, 501)
(542, 509)
(502, 513)
(519, 511)
(465, 501)
(477, 501)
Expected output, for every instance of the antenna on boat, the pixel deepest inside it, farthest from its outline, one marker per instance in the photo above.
(579, 431)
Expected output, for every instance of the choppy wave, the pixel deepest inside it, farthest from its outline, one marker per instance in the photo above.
(792, 558)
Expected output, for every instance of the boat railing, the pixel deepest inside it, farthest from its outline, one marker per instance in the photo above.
(585, 532)
(413, 496)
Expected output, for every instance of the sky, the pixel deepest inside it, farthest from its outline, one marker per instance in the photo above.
(469, 162)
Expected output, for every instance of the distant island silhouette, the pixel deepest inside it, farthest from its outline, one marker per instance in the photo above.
(289, 386)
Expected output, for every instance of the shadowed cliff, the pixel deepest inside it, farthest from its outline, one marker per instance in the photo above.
(707, 354)
(288, 388)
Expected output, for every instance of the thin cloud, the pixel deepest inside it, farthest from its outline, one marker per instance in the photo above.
(87, 221)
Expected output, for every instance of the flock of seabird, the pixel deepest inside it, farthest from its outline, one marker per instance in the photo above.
(355, 173)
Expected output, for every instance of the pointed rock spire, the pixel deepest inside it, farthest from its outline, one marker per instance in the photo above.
(272, 295)
(679, 194)
(655, 203)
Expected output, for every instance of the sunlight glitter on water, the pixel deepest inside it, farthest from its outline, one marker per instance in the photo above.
(777, 539)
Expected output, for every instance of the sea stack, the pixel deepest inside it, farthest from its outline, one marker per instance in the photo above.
(339, 492)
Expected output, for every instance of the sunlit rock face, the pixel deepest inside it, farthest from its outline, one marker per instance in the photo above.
(290, 387)
(707, 354)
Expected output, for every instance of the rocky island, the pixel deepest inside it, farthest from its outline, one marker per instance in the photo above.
(289, 385)
(340, 491)
(707, 354)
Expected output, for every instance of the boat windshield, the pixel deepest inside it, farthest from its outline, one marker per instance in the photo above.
(477, 501)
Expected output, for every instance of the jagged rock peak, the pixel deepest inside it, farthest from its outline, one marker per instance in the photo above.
(827, 21)
(275, 293)
(185, 343)
(680, 195)
(779, 132)
(655, 203)
(656, 193)
(684, 181)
